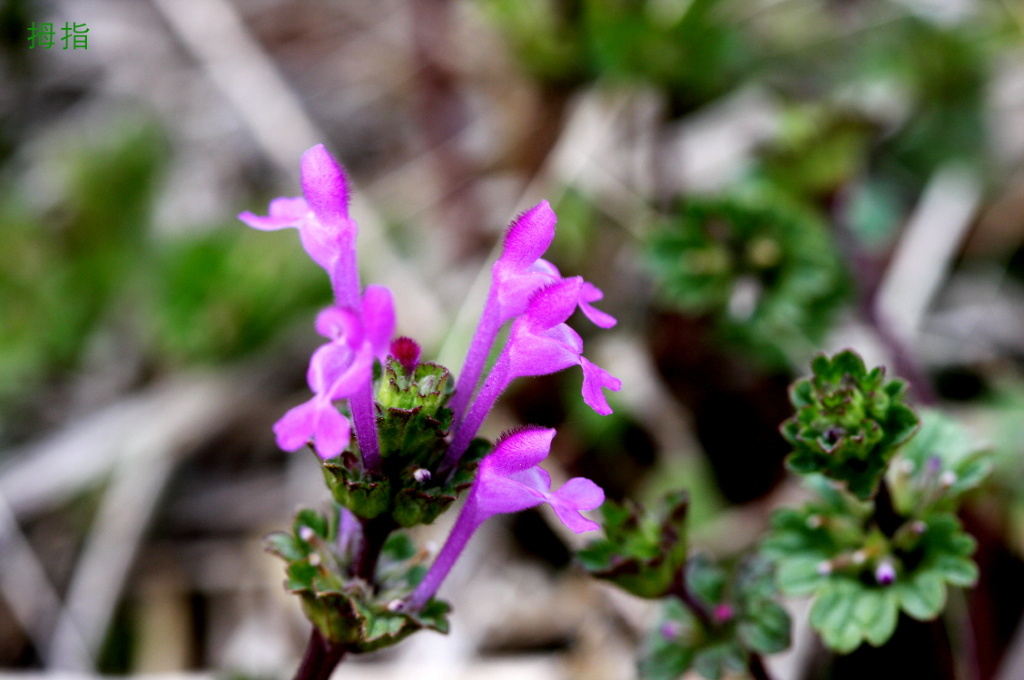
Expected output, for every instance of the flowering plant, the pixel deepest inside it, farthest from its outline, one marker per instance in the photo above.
(415, 447)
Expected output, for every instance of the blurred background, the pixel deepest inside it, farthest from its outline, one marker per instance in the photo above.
(749, 182)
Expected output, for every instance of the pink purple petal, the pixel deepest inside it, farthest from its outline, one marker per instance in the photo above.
(591, 293)
(529, 236)
(594, 379)
(325, 187)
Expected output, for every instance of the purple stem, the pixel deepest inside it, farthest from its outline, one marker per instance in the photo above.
(320, 658)
(364, 420)
(464, 527)
(496, 382)
(476, 356)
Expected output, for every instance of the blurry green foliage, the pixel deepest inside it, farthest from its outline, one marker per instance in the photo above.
(61, 272)
(688, 49)
(768, 275)
(227, 292)
(739, 617)
(641, 551)
(80, 259)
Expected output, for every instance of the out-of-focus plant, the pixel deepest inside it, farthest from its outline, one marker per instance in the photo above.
(62, 272)
(882, 535)
(769, 277)
(221, 294)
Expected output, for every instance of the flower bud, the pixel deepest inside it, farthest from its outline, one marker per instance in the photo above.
(885, 573)
(723, 613)
(671, 630)
(407, 352)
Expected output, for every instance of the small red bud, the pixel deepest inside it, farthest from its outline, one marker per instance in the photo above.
(407, 352)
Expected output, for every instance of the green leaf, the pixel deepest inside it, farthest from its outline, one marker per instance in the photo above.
(765, 628)
(663, 658)
(705, 579)
(877, 611)
(833, 615)
(664, 661)
(713, 661)
(314, 520)
(642, 550)
(960, 571)
(922, 596)
(940, 464)
(285, 546)
(800, 576)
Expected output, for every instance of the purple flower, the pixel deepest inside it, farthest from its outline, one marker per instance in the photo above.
(509, 480)
(327, 232)
(515, 277)
(539, 343)
(340, 369)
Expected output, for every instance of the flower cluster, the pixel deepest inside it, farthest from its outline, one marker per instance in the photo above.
(414, 435)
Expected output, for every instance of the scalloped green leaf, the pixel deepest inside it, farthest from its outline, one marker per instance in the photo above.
(713, 661)
(922, 596)
(705, 579)
(800, 576)
(833, 616)
(877, 612)
(765, 628)
(960, 571)
(285, 546)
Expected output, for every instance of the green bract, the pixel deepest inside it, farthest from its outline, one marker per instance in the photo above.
(848, 423)
(738, 616)
(412, 427)
(768, 276)
(641, 552)
(348, 610)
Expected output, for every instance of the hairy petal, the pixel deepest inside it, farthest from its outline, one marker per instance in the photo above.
(529, 236)
(554, 303)
(325, 187)
(519, 450)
